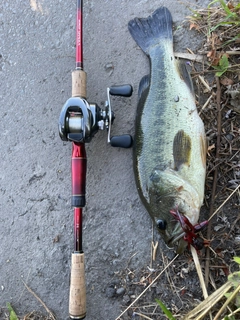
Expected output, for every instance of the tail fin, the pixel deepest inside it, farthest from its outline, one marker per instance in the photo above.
(152, 30)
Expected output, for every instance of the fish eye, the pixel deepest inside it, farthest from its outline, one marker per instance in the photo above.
(162, 224)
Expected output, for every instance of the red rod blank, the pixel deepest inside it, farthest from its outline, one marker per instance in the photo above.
(79, 36)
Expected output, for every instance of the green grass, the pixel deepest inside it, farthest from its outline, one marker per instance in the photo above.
(12, 314)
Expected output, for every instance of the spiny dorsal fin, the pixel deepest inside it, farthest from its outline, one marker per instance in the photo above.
(185, 74)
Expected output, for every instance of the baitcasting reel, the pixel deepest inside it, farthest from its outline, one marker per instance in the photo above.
(79, 120)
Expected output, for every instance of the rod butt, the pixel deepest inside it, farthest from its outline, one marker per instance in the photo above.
(77, 296)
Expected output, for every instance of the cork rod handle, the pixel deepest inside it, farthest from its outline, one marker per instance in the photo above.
(79, 84)
(77, 296)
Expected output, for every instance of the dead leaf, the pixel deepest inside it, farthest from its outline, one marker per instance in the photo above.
(211, 53)
(214, 57)
(226, 81)
(230, 5)
(193, 26)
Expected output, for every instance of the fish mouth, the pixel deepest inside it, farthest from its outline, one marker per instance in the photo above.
(177, 239)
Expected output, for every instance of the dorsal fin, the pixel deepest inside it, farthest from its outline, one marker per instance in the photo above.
(185, 74)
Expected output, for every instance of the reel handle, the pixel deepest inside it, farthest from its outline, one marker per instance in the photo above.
(125, 140)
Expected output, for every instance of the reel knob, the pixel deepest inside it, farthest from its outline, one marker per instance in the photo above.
(123, 141)
(125, 90)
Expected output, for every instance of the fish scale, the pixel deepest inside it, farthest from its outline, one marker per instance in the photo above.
(169, 149)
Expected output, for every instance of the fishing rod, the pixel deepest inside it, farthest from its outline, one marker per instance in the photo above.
(79, 121)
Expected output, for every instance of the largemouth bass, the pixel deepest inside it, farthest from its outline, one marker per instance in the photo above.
(170, 144)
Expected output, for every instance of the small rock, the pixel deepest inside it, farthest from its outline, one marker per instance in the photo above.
(237, 239)
(126, 299)
(120, 291)
(230, 137)
(109, 67)
(116, 281)
(110, 292)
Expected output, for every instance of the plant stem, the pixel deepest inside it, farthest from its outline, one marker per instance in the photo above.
(219, 122)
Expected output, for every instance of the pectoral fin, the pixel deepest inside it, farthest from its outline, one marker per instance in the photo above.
(181, 149)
